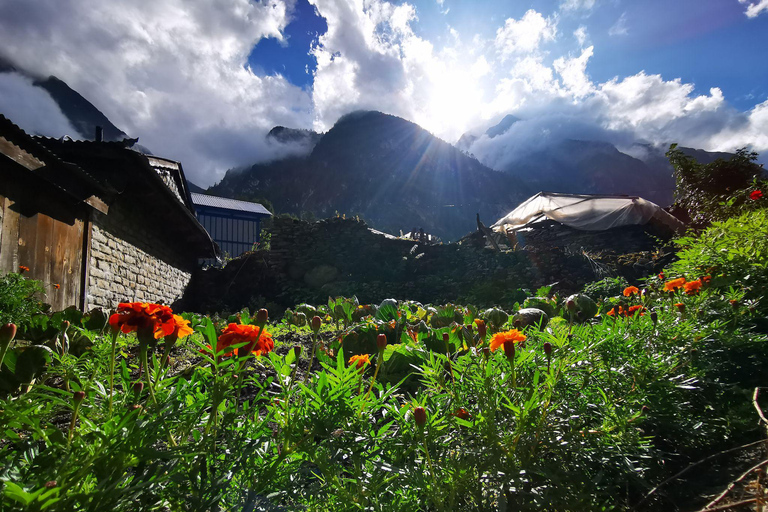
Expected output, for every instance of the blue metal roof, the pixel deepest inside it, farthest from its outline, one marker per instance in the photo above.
(228, 204)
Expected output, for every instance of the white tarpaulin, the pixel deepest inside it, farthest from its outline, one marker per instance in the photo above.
(586, 212)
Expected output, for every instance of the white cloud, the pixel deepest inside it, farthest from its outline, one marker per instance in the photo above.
(581, 34)
(755, 8)
(573, 5)
(174, 73)
(574, 73)
(524, 35)
(620, 27)
(170, 71)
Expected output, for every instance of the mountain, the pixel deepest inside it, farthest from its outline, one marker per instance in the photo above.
(593, 166)
(469, 138)
(391, 172)
(283, 135)
(83, 115)
(80, 112)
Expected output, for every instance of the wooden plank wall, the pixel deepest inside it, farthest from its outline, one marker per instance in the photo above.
(52, 250)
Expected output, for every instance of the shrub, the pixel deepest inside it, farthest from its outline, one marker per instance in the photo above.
(19, 298)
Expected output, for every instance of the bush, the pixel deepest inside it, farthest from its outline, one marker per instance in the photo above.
(19, 299)
(733, 252)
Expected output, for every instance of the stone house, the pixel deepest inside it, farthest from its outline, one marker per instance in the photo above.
(96, 222)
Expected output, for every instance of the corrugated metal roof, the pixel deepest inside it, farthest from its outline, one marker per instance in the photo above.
(228, 204)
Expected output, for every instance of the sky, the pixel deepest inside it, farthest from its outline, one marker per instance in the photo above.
(203, 81)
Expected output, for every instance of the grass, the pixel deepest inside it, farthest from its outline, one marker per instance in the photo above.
(619, 405)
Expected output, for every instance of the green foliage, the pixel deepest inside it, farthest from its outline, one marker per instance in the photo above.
(19, 298)
(608, 287)
(718, 190)
(734, 252)
(583, 416)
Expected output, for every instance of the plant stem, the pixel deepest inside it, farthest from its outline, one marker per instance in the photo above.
(145, 362)
(73, 422)
(379, 361)
(112, 370)
(311, 356)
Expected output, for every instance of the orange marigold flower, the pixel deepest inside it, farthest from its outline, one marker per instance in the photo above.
(359, 361)
(57, 286)
(500, 338)
(631, 290)
(706, 279)
(142, 316)
(671, 286)
(693, 287)
(258, 342)
(680, 306)
(635, 309)
(23, 269)
(182, 327)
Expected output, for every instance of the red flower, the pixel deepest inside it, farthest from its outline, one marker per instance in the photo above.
(755, 195)
(635, 309)
(461, 413)
(671, 286)
(141, 316)
(23, 269)
(57, 286)
(359, 361)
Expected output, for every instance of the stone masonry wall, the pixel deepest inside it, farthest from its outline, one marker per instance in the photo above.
(308, 262)
(129, 263)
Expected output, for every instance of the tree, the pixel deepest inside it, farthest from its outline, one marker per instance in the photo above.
(717, 190)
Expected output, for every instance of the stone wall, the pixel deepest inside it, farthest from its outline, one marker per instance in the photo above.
(308, 262)
(131, 262)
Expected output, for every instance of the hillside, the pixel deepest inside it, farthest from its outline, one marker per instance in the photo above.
(391, 172)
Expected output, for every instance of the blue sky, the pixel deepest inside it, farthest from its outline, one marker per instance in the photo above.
(710, 43)
(204, 81)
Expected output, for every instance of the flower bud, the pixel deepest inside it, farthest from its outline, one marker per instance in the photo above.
(570, 304)
(734, 303)
(548, 348)
(420, 416)
(297, 350)
(509, 350)
(7, 333)
(446, 337)
(486, 352)
(78, 396)
(51, 484)
(482, 330)
(461, 413)
(138, 387)
(381, 342)
(65, 325)
(654, 317)
(262, 316)
(680, 307)
(316, 323)
(645, 409)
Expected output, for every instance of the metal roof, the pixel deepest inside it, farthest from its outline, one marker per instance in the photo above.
(228, 204)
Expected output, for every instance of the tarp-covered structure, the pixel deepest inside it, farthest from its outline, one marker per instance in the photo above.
(587, 212)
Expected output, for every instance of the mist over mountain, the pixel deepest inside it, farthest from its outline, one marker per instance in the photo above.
(391, 172)
(33, 109)
(560, 161)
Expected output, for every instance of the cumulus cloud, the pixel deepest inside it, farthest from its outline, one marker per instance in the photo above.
(172, 72)
(524, 35)
(32, 107)
(755, 8)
